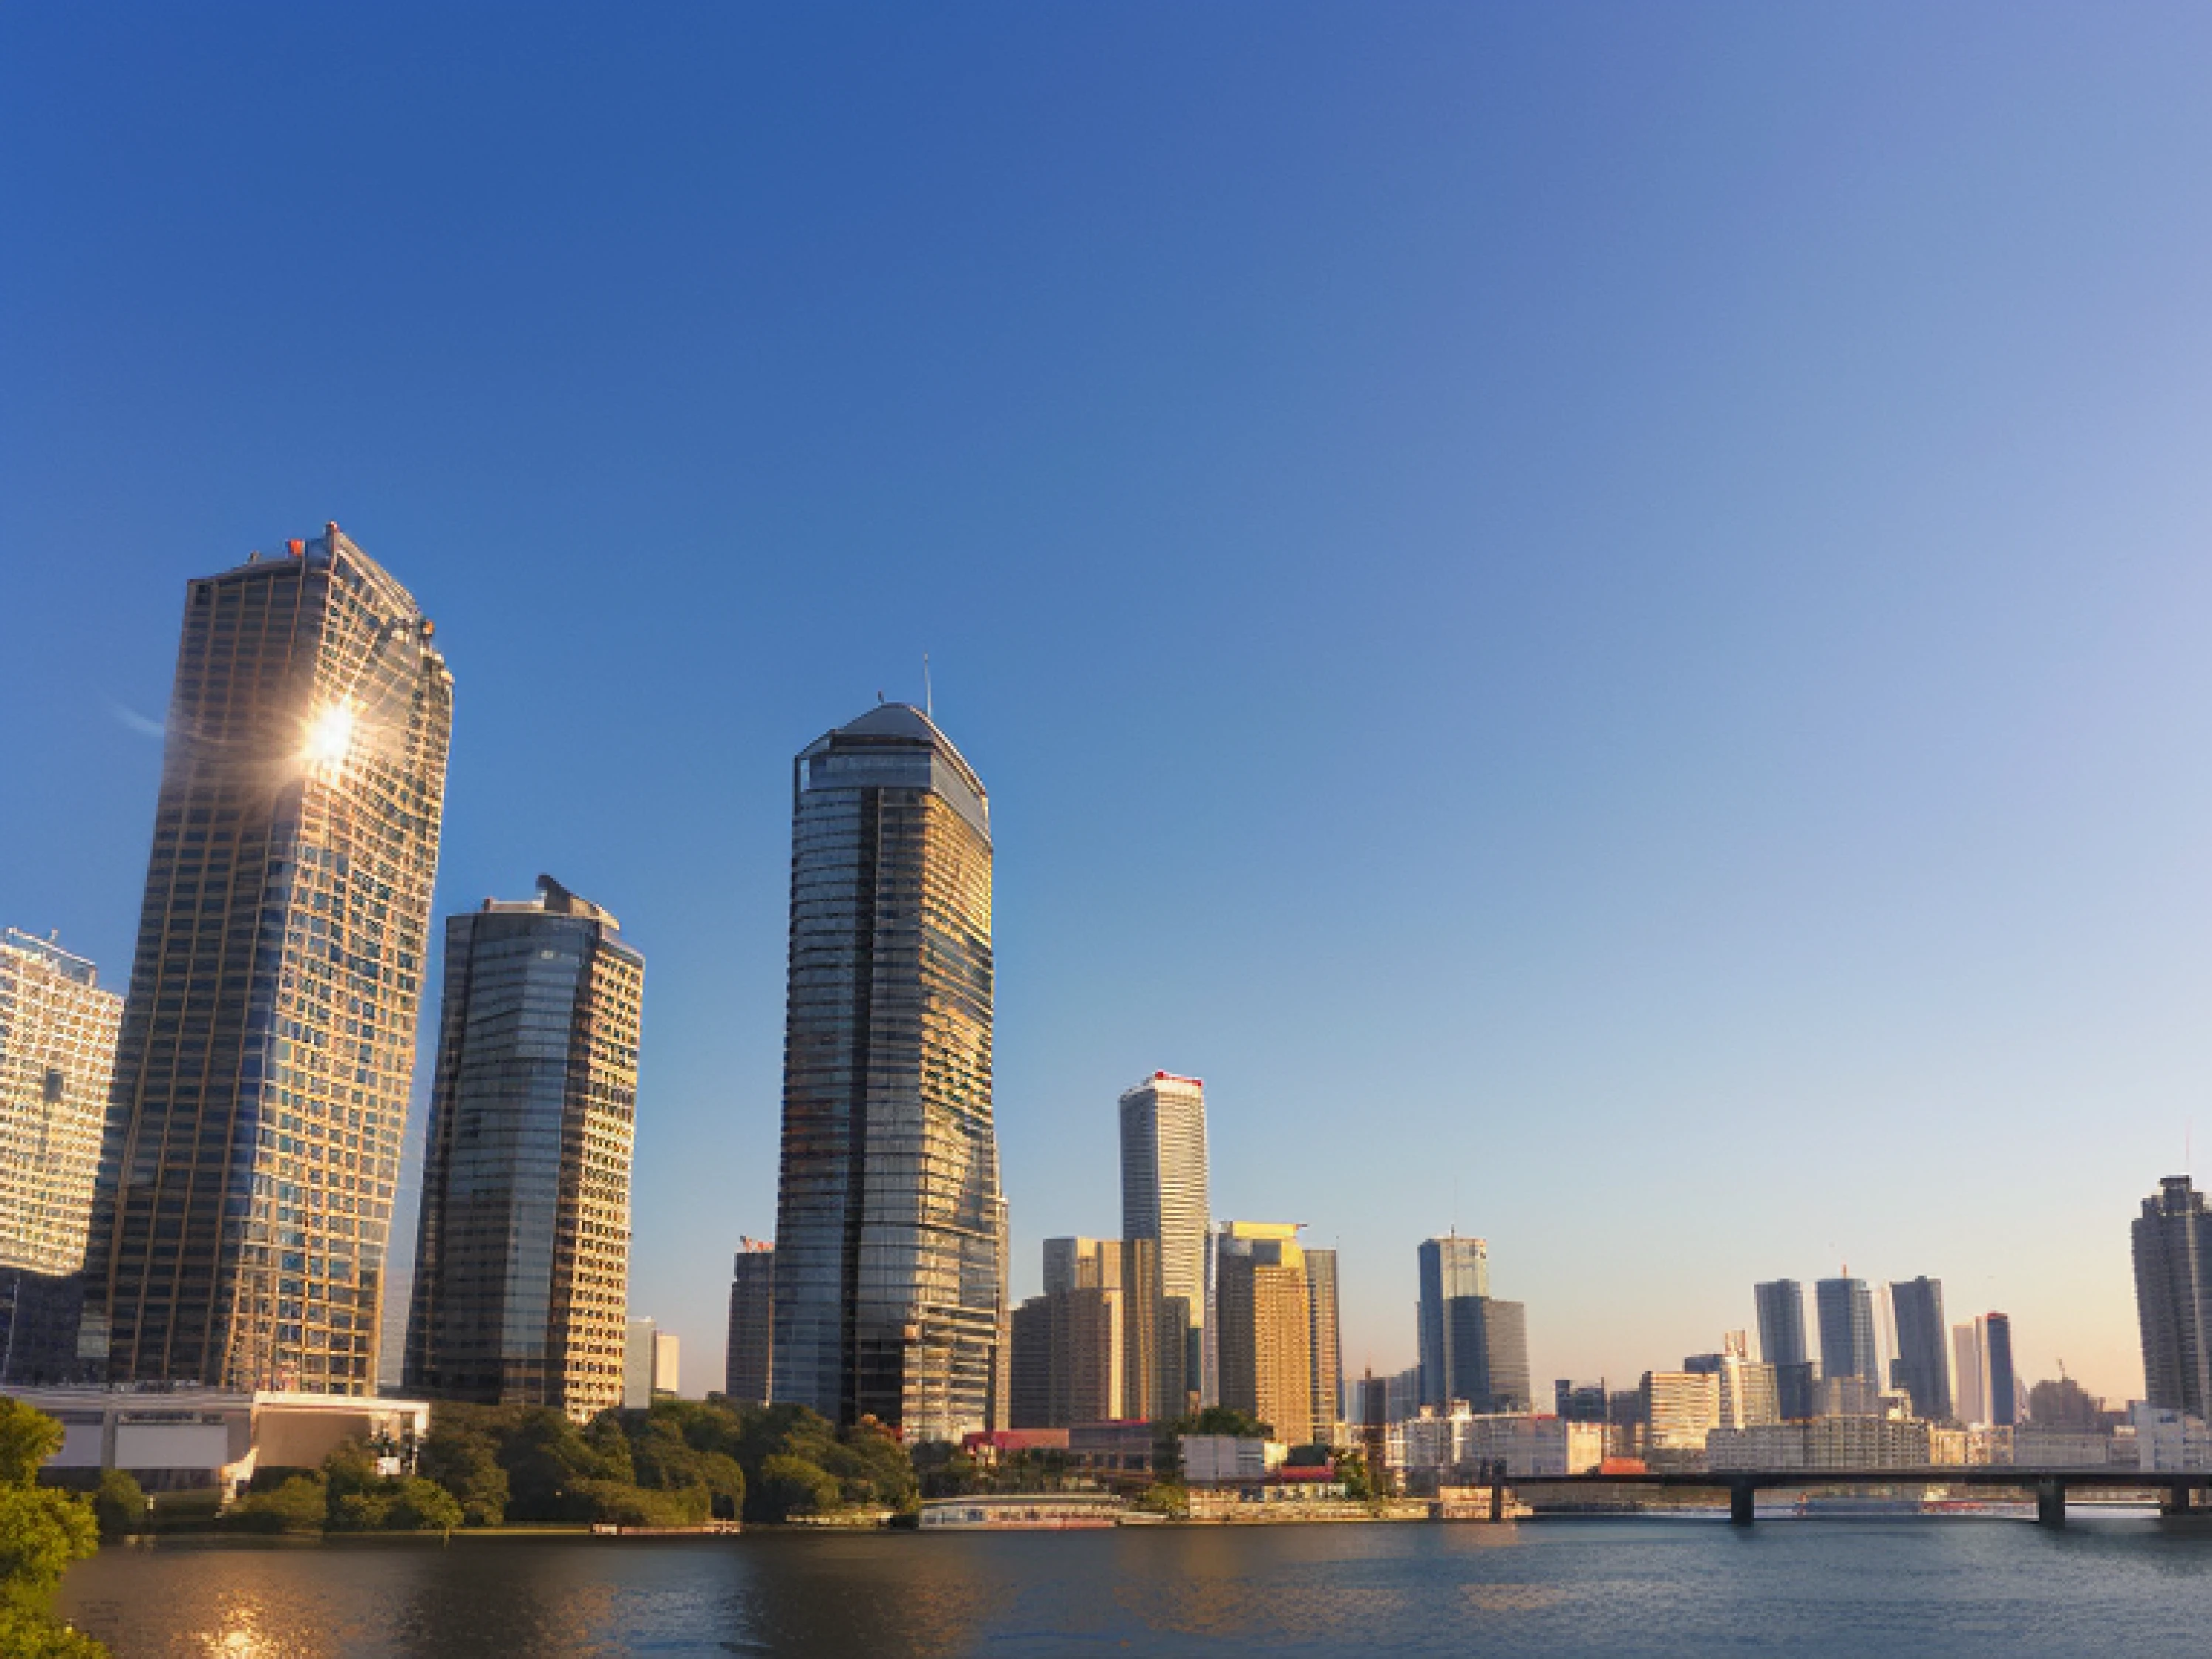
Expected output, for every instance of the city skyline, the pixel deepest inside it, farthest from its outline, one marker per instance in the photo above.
(1635, 577)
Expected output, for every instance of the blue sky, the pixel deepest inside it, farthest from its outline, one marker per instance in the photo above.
(1597, 613)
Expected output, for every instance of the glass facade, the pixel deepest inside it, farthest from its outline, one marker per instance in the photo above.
(891, 1228)
(244, 1201)
(1451, 1267)
(749, 1367)
(2172, 1240)
(1922, 1368)
(57, 1031)
(1163, 1199)
(1327, 1345)
(522, 1260)
(1845, 1310)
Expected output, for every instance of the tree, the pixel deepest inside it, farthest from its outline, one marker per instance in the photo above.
(791, 1485)
(119, 1505)
(297, 1504)
(463, 1458)
(420, 1505)
(41, 1531)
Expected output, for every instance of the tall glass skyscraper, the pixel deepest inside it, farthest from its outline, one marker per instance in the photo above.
(891, 1228)
(1451, 1267)
(749, 1362)
(1781, 1303)
(1846, 1314)
(1923, 1367)
(522, 1254)
(1163, 1197)
(2174, 1296)
(253, 1151)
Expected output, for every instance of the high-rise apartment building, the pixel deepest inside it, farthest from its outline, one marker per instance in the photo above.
(57, 1031)
(1781, 1303)
(891, 1228)
(1263, 1336)
(1486, 1353)
(1846, 1314)
(247, 1173)
(1163, 1195)
(1922, 1368)
(749, 1365)
(1325, 1341)
(522, 1251)
(2173, 1240)
(1996, 1361)
(1969, 1374)
(1451, 1267)
(638, 1357)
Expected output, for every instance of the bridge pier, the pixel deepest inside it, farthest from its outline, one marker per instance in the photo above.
(1741, 1497)
(2178, 1500)
(2051, 1503)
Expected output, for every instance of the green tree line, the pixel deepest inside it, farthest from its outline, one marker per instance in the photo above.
(680, 1464)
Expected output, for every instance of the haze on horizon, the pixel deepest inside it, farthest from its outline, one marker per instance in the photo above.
(1597, 615)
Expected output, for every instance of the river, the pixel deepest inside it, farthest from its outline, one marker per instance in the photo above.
(1630, 1587)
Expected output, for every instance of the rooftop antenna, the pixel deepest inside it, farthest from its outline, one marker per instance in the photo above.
(927, 707)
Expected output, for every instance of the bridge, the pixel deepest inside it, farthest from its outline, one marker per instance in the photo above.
(2178, 1488)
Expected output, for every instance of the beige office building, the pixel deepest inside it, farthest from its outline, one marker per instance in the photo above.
(58, 1030)
(1263, 1333)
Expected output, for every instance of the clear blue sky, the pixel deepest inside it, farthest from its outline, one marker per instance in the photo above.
(1599, 614)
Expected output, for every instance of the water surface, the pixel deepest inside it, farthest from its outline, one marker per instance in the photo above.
(1613, 1587)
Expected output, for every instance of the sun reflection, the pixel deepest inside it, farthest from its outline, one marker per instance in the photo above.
(330, 738)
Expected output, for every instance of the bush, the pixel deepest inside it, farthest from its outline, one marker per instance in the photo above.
(119, 1505)
(618, 1503)
(299, 1504)
(791, 1485)
(421, 1505)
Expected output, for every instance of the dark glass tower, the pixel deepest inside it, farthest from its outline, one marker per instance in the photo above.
(749, 1362)
(1451, 1267)
(522, 1258)
(2174, 1296)
(1782, 1345)
(245, 1196)
(1846, 1314)
(1923, 1367)
(2003, 1391)
(891, 1230)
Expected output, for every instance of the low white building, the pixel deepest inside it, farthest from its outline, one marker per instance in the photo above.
(2169, 1442)
(1823, 1443)
(187, 1439)
(1224, 1460)
(1530, 1446)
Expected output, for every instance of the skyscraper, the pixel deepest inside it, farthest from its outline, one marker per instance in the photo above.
(1781, 1304)
(1264, 1333)
(1922, 1368)
(1326, 1343)
(891, 1228)
(1486, 1353)
(244, 1202)
(749, 1367)
(522, 1253)
(2174, 1296)
(1847, 1349)
(1969, 1374)
(1996, 1358)
(1163, 1195)
(1451, 1267)
(57, 1031)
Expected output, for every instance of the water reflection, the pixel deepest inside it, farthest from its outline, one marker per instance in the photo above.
(1610, 1589)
